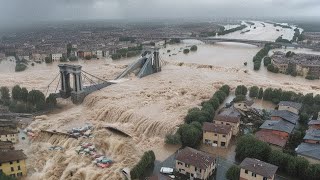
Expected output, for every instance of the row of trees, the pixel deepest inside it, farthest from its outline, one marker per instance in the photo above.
(127, 52)
(281, 40)
(146, 162)
(239, 28)
(24, 101)
(257, 59)
(249, 146)
(190, 133)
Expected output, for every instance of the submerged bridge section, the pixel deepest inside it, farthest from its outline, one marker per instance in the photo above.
(72, 76)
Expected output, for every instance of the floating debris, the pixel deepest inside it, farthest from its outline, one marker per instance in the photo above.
(56, 148)
(85, 132)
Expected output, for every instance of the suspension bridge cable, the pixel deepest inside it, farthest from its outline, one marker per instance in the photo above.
(57, 86)
(94, 76)
(94, 84)
(51, 83)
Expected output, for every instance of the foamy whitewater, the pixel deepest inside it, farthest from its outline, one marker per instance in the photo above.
(147, 108)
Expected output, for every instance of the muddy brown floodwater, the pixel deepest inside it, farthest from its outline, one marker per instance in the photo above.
(147, 108)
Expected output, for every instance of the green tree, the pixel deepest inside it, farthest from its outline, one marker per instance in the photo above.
(249, 146)
(317, 99)
(225, 89)
(51, 100)
(63, 59)
(254, 91)
(69, 49)
(190, 135)
(48, 60)
(88, 57)
(215, 102)
(20, 67)
(239, 98)
(308, 99)
(36, 97)
(16, 93)
(173, 139)
(267, 95)
(5, 95)
(197, 115)
(233, 173)
(145, 163)
(313, 172)
(220, 95)
(194, 48)
(73, 58)
(241, 90)
(260, 93)
(24, 94)
(186, 51)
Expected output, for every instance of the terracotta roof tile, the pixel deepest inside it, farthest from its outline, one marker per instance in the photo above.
(194, 157)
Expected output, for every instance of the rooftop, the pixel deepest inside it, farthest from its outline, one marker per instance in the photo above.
(270, 138)
(285, 115)
(259, 167)
(291, 104)
(278, 125)
(194, 157)
(5, 132)
(12, 155)
(216, 128)
(312, 135)
(314, 122)
(309, 150)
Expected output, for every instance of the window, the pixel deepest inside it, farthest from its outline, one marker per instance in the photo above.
(1, 171)
(19, 174)
(195, 169)
(215, 142)
(180, 163)
(0, 164)
(223, 144)
(215, 135)
(11, 162)
(228, 124)
(19, 168)
(221, 122)
(191, 175)
(246, 171)
(223, 135)
(12, 175)
(18, 161)
(187, 165)
(254, 175)
(12, 169)
(265, 178)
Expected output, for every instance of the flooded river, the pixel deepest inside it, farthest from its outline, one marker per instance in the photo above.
(147, 108)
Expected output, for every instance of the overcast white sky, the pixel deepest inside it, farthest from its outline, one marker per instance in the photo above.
(44, 10)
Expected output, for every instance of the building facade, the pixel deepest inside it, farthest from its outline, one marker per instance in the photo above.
(12, 163)
(195, 164)
(56, 57)
(254, 169)
(9, 135)
(217, 135)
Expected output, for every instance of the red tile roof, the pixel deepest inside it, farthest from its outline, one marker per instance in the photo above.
(269, 137)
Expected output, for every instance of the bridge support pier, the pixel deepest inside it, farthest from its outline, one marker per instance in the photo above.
(77, 94)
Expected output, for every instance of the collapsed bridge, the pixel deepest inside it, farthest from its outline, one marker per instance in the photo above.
(72, 76)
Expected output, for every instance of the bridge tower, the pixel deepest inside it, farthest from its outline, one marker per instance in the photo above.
(76, 91)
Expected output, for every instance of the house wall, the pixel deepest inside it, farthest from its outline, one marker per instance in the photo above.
(288, 108)
(315, 126)
(248, 176)
(210, 138)
(9, 137)
(184, 168)
(311, 141)
(235, 126)
(56, 57)
(87, 53)
(282, 67)
(6, 168)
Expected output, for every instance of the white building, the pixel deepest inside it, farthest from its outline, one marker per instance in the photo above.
(99, 54)
(56, 57)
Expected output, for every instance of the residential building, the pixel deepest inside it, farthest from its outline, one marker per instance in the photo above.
(254, 169)
(312, 136)
(218, 135)
(6, 145)
(87, 53)
(284, 115)
(303, 64)
(309, 151)
(275, 132)
(314, 124)
(12, 163)
(195, 164)
(9, 135)
(56, 57)
(233, 121)
(290, 106)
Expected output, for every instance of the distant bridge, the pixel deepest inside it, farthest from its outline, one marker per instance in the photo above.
(245, 41)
